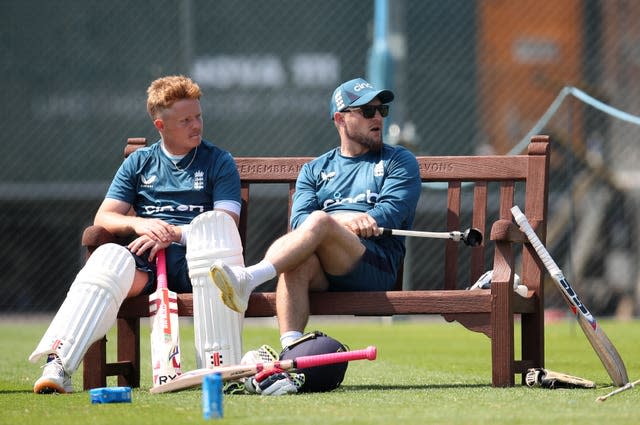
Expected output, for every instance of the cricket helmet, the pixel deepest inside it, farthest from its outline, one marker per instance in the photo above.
(321, 378)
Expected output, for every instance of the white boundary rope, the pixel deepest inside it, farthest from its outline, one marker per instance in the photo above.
(546, 117)
(578, 94)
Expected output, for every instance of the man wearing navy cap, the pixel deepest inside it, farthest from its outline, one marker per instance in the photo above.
(342, 198)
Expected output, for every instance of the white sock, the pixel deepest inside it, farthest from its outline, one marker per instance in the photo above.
(261, 272)
(288, 337)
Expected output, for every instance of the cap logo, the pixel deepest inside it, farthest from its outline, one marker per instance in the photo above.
(362, 86)
(339, 101)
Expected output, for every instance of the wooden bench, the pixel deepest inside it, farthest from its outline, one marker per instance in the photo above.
(494, 180)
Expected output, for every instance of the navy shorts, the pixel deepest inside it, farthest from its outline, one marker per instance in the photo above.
(374, 272)
(177, 270)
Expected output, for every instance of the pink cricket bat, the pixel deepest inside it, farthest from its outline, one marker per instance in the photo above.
(165, 335)
(229, 373)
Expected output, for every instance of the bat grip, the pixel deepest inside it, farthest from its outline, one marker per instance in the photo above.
(303, 362)
(455, 235)
(385, 232)
(161, 269)
(552, 267)
(544, 255)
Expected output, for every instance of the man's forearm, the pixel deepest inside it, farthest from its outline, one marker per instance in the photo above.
(118, 224)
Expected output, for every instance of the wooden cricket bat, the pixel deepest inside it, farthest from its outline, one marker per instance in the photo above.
(165, 335)
(228, 373)
(601, 344)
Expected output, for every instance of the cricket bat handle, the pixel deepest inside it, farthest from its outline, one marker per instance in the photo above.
(161, 268)
(303, 362)
(543, 254)
(627, 386)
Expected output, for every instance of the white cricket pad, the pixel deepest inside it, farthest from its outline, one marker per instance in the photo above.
(91, 306)
(218, 329)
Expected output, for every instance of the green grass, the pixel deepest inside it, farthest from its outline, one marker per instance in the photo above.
(428, 372)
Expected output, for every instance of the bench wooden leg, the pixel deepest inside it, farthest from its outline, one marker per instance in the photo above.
(94, 374)
(96, 369)
(532, 341)
(129, 352)
(502, 338)
(533, 323)
(502, 341)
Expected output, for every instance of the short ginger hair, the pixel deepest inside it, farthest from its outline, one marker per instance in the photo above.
(165, 91)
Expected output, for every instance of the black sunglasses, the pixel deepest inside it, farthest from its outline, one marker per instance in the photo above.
(369, 111)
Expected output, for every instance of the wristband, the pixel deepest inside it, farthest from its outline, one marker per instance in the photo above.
(184, 233)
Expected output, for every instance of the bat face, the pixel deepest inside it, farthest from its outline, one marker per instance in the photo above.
(195, 377)
(165, 338)
(575, 303)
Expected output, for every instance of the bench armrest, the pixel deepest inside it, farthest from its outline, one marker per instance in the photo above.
(94, 236)
(507, 231)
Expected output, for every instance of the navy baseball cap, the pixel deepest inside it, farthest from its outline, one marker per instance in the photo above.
(356, 92)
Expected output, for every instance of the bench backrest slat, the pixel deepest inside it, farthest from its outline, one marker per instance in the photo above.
(479, 221)
(454, 193)
(507, 192)
(473, 168)
(536, 208)
(270, 169)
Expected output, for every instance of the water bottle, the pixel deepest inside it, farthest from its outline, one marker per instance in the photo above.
(212, 396)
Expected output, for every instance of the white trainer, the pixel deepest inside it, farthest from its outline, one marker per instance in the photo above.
(54, 379)
(233, 282)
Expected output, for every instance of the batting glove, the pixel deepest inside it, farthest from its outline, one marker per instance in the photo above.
(279, 384)
(275, 382)
(272, 381)
(545, 378)
(264, 354)
(233, 387)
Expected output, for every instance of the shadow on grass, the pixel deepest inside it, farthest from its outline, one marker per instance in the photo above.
(17, 391)
(411, 387)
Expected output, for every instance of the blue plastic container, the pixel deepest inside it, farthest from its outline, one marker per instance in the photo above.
(110, 395)
(212, 396)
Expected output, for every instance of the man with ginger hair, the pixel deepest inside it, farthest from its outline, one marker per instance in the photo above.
(155, 195)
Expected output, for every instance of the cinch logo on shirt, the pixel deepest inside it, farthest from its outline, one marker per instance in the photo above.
(154, 209)
(369, 197)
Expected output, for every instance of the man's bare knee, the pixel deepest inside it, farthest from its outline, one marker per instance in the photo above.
(319, 221)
